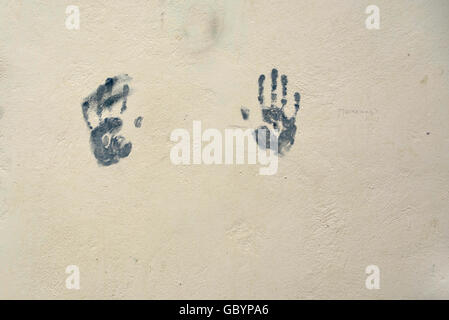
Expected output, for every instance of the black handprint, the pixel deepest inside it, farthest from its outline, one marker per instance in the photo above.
(107, 147)
(275, 116)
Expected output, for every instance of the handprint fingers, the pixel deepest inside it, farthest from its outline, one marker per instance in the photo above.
(284, 82)
(109, 102)
(245, 113)
(109, 94)
(260, 97)
(270, 113)
(274, 84)
(297, 99)
(125, 98)
(105, 97)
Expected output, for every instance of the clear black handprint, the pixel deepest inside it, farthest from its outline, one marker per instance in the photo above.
(284, 126)
(107, 146)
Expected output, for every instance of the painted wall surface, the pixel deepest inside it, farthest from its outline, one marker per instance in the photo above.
(365, 183)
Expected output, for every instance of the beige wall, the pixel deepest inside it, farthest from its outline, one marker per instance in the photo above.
(365, 183)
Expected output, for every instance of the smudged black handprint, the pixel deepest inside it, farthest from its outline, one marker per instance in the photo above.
(107, 146)
(284, 127)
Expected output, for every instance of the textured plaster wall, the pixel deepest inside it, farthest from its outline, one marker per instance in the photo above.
(365, 183)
